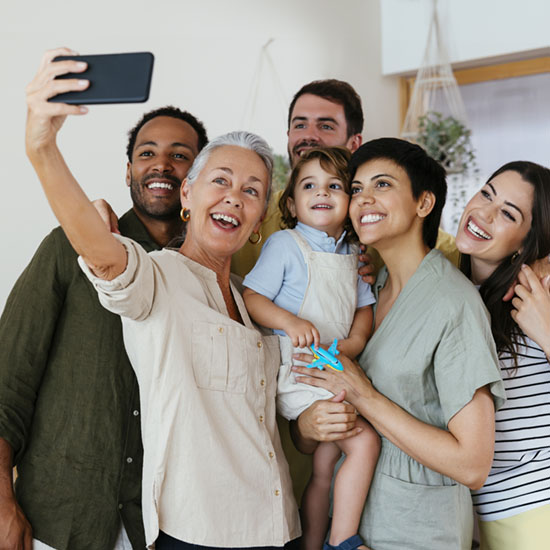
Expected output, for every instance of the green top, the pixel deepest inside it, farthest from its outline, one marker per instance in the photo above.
(69, 402)
(429, 355)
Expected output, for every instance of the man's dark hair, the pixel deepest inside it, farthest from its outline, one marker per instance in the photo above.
(170, 111)
(339, 92)
(425, 174)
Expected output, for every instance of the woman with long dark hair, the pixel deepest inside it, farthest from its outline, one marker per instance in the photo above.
(506, 226)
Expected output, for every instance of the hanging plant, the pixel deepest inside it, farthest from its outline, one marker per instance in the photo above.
(446, 140)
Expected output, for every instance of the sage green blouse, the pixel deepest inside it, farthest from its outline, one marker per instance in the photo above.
(430, 354)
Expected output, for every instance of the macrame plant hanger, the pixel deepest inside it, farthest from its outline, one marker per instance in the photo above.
(436, 98)
(436, 119)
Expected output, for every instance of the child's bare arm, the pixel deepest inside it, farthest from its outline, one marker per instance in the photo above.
(359, 333)
(266, 313)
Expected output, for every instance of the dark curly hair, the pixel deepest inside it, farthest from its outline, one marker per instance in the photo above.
(170, 111)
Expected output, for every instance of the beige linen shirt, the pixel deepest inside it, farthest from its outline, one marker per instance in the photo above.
(214, 473)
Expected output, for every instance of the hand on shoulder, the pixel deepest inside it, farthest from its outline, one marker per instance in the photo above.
(532, 307)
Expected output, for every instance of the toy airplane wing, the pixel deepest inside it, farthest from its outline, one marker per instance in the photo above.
(333, 350)
(326, 358)
(318, 363)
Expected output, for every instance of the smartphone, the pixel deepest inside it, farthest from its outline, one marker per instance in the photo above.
(114, 78)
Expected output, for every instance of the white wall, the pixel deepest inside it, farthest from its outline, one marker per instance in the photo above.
(206, 54)
(473, 30)
(517, 108)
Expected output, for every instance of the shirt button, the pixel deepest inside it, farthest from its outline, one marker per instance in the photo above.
(262, 382)
(260, 344)
(220, 330)
(120, 506)
(261, 418)
(277, 492)
(136, 413)
(129, 460)
(271, 455)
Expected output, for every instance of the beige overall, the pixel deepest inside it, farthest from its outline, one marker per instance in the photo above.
(329, 302)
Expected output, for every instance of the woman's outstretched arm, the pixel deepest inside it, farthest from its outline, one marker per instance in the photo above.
(82, 224)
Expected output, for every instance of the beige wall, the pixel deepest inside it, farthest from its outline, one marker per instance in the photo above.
(206, 54)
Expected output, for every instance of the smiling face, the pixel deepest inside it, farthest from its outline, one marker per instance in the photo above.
(318, 122)
(164, 151)
(320, 199)
(226, 202)
(383, 210)
(495, 222)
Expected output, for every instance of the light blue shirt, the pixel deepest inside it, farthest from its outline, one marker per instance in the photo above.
(280, 273)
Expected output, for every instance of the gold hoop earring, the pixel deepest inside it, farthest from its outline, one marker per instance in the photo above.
(514, 257)
(185, 214)
(258, 239)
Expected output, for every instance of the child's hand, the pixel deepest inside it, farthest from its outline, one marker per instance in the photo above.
(302, 333)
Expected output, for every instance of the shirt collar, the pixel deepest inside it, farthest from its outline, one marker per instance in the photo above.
(320, 238)
(382, 277)
(131, 226)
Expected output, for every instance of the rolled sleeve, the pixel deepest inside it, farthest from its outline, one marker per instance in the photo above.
(268, 274)
(26, 329)
(365, 296)
(131, 293)
(466, 360)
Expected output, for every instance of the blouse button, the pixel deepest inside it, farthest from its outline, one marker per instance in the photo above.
(277, 492)
(270, 454)
(261, 418)
(262, 382)
(260, 344)
(220, 330)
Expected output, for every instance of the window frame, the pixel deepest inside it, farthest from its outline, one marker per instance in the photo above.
(495, 71)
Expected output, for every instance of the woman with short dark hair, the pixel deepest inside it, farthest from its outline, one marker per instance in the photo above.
(433, 382)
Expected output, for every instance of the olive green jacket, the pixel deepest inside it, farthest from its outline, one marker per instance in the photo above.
(69, 403)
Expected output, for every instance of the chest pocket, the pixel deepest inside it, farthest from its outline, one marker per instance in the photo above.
(220, 360)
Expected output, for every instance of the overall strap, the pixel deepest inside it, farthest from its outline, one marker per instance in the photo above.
(302, 243)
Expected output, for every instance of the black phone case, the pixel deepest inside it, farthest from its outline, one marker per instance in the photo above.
(114, 78)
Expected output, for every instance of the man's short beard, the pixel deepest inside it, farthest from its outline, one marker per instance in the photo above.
(294, 155)
(166, 214)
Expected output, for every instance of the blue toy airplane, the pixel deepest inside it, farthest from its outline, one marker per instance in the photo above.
(326, 358)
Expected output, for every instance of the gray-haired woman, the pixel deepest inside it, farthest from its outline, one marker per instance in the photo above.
(214, 473)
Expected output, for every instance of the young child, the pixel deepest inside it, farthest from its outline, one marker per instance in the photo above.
(305, 286)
